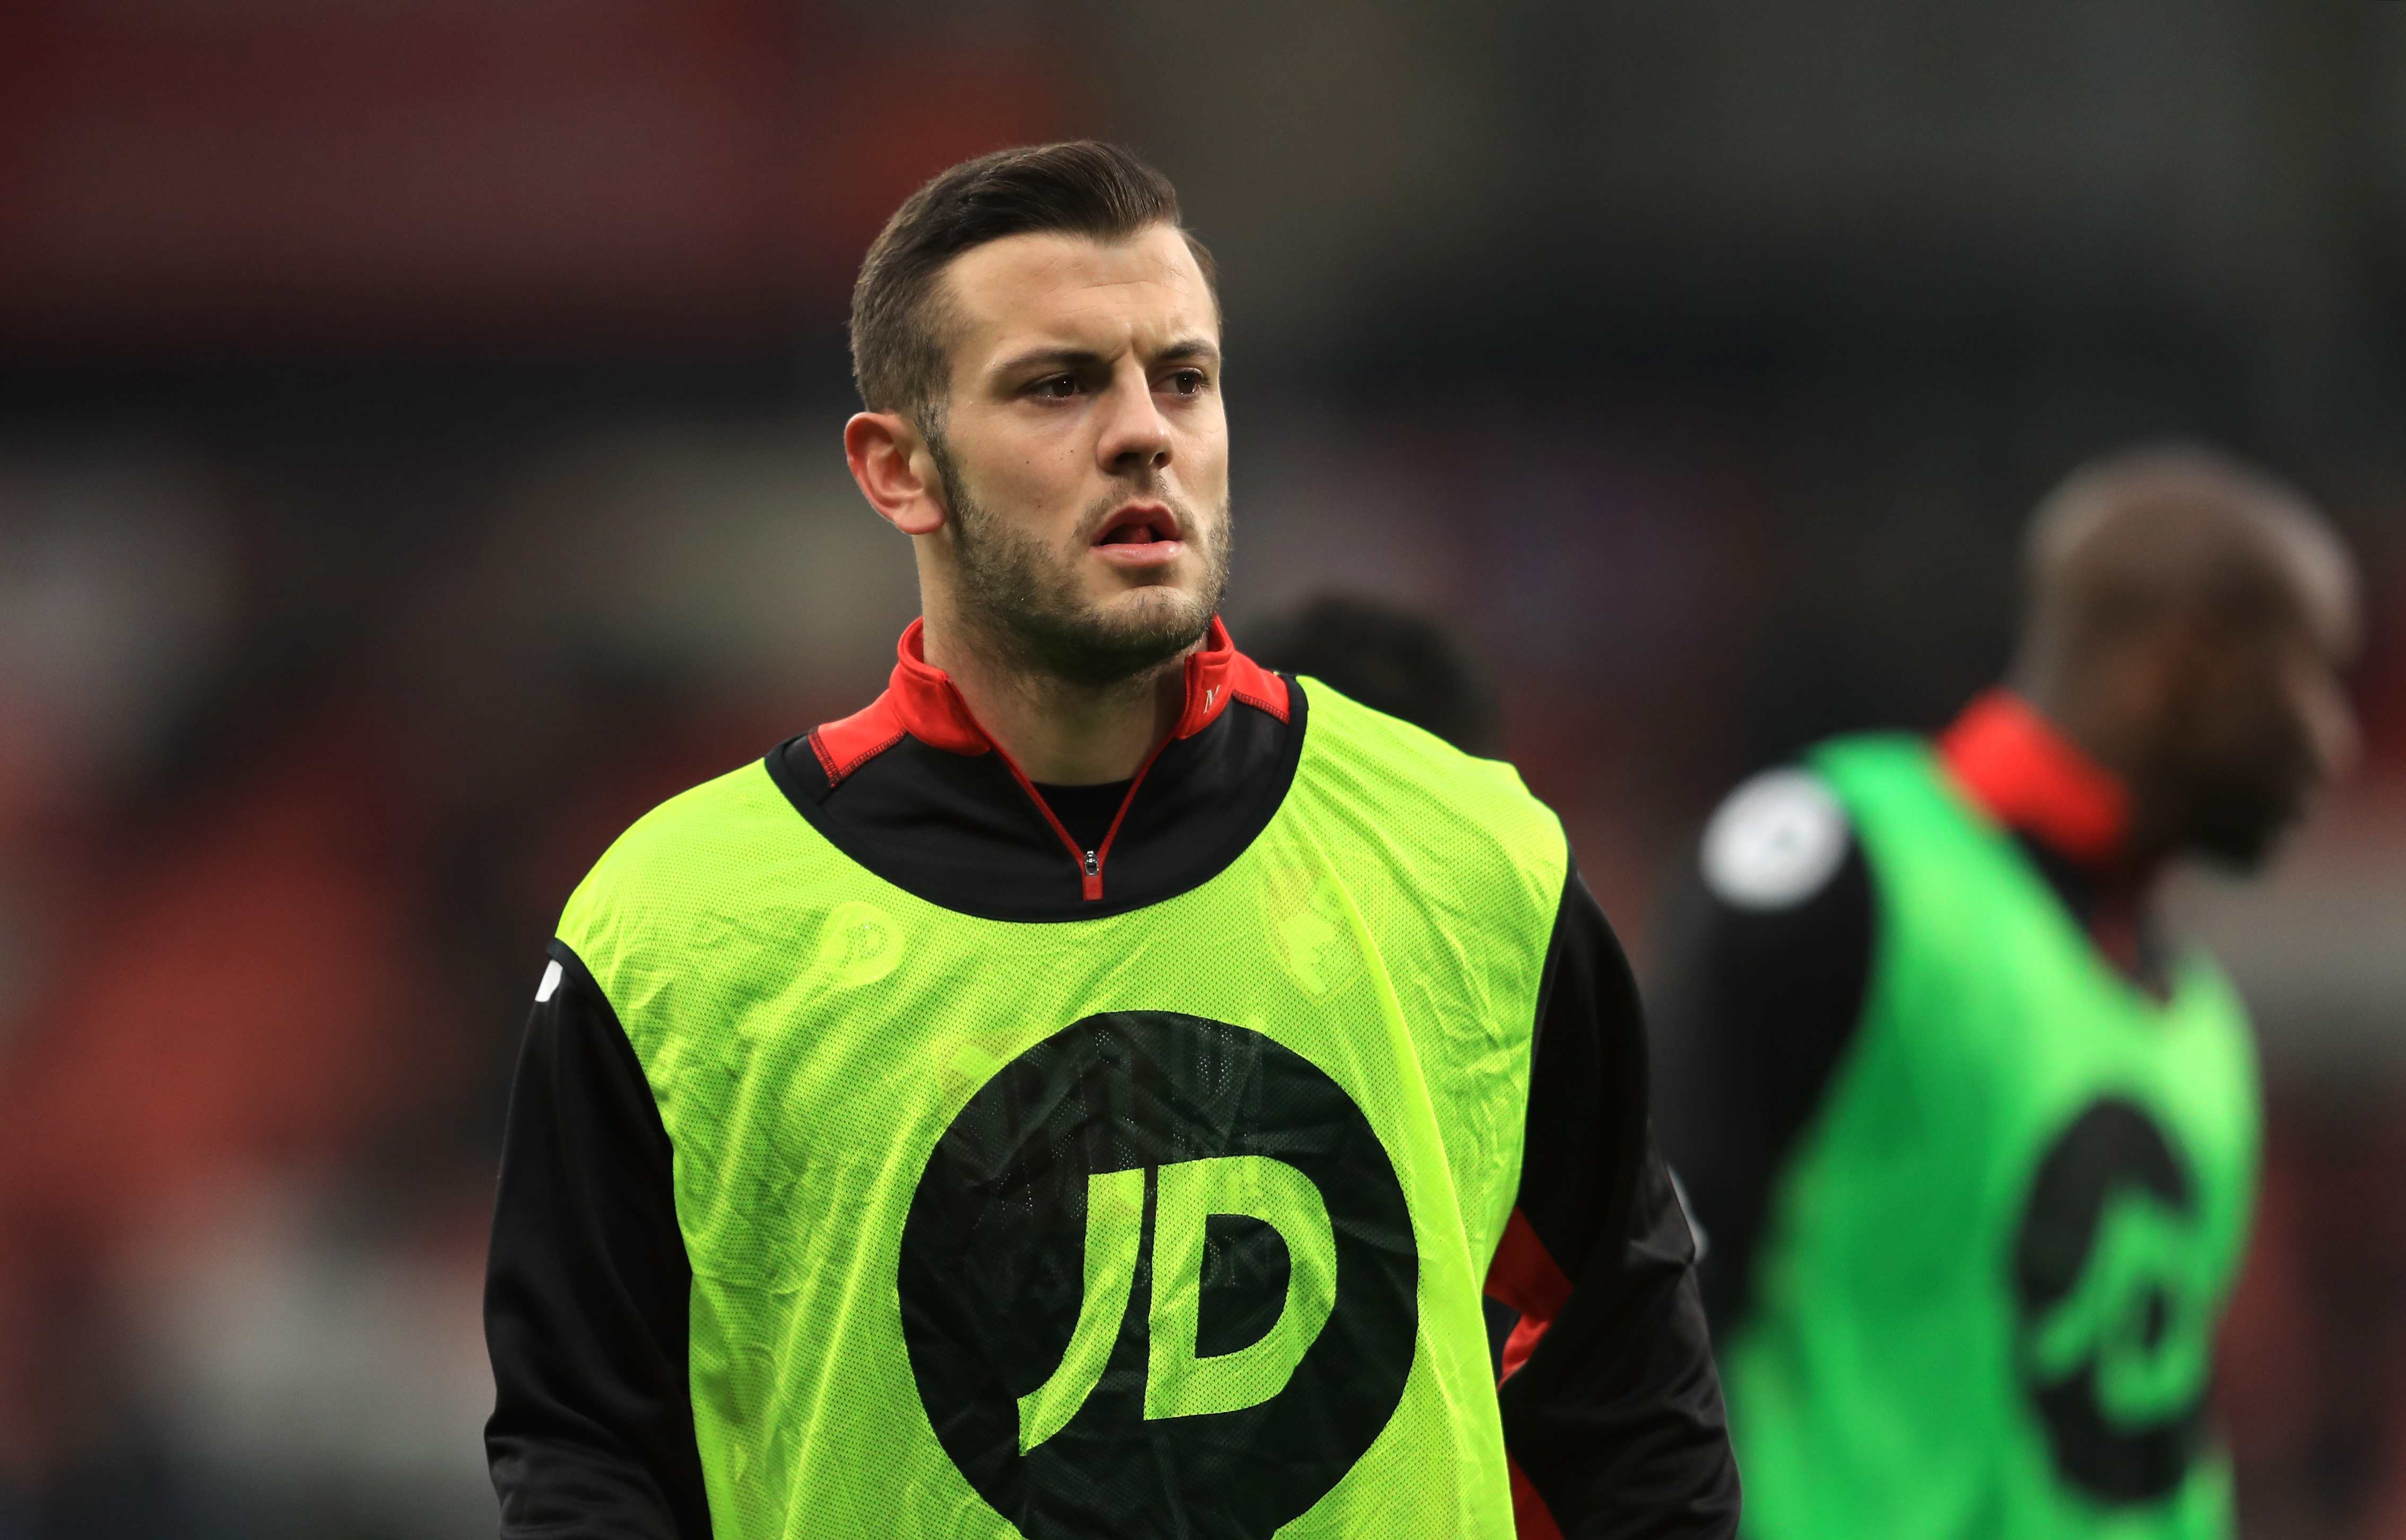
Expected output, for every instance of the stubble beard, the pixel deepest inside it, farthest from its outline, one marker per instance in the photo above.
(1022, 596)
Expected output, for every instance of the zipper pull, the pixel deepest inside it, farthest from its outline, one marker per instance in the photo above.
(1093, 883)
(1093, 868)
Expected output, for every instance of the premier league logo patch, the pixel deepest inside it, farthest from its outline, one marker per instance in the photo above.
(1158, 1279)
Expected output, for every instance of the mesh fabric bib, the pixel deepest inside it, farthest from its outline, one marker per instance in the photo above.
(1167, 1222)
(1987, 1294)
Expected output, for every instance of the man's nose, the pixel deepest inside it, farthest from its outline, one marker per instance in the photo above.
(1135, 436)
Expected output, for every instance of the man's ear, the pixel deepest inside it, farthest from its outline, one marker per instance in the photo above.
(889, 460)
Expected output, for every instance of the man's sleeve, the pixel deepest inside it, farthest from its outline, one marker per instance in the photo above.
(592, 1436)
(1612, 1408)
(1764, 954)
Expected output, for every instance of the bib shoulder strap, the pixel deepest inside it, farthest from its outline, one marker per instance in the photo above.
(680, 863)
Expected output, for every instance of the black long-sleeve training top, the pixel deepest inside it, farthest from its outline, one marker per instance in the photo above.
(1610, 1405)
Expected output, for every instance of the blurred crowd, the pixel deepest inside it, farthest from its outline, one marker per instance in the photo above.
(418, 456)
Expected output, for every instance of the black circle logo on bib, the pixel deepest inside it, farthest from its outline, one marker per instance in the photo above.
(1158, 1279)
(2117, 1327)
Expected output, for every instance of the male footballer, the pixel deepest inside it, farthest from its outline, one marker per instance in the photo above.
(1088, 1091)
(1974, 1142)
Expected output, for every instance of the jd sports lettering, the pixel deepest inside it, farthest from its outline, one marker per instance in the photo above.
(2116, 1334)
(1158, 1276)
(1180, 1381)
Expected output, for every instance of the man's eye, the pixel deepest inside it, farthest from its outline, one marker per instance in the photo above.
(1058, 388)
(1187, 381)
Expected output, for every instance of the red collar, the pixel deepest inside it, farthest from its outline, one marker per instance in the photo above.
(922, 701)
(2030, 777)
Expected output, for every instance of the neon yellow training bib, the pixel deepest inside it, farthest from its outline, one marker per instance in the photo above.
(1166, 1222)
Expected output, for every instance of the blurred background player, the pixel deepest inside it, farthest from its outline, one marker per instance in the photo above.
(1388, 658)
(1974, 1144)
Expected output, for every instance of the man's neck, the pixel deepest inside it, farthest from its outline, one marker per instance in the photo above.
(1060, 732)
(2103, 715)
(2071, 783)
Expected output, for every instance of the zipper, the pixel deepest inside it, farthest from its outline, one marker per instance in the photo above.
(1090, 862)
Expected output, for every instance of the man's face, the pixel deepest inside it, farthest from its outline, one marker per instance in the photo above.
(1084, 450)
(2275, 725)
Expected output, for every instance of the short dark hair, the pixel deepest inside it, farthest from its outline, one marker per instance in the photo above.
(1389, 658)
(1080, 187)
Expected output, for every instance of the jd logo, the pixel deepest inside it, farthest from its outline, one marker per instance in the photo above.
(1158, 1279)
(2114, 1329)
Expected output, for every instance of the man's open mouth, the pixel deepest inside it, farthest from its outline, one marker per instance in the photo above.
(1138, 524)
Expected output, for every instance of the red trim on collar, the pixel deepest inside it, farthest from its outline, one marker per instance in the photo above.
(1217, 673)
(2030, 777)
(919, 702)
(922, 701)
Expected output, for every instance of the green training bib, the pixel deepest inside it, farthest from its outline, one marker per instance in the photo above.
(1986, 1298)
(1168, 1222)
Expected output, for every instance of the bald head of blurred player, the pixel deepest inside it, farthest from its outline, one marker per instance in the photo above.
(2191, 622)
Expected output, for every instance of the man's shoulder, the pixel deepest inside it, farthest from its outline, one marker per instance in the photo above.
(1777, 841)
(1421, 790)
(1778, 838)
(1342, 726)
(697, 843)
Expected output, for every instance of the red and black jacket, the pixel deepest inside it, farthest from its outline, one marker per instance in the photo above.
(1611, 1409)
